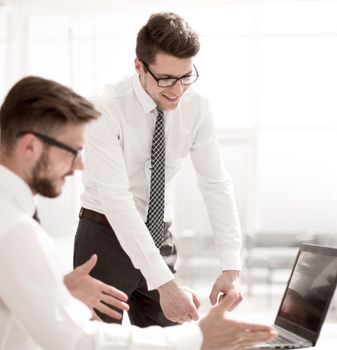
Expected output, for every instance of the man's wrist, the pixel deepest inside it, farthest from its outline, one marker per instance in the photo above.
(232, 274)
(167, 286)
(157, 273)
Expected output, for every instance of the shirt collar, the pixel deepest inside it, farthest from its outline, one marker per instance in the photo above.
(19, 192)
(143, 97)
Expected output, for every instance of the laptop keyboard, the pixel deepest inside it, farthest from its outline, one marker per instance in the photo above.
(279, 339)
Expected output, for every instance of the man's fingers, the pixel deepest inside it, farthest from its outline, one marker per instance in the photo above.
(95, 317)
(108, 311)
(251, 338)
(214, 295)
(115, 302)
(196, 300)
(235, 302)
(172, 318)
(227, 301)
(247, 338)
(238, 301)
(87, 266)
(114, 292)
(194, 315)
(191, 311)
(255, 327)
(183, 318)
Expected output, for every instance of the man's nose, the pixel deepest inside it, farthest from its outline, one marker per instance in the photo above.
(177, 88)
(78, 163)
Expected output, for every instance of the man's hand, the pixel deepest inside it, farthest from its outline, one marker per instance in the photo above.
(179, 304)
(93, 292)
(222, 333)
(228, 280)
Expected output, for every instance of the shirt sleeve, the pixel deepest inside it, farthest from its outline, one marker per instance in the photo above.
(107, 171)
(33, 291)
(216, 186)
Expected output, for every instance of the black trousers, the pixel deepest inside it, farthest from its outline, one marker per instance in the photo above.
(115, 268)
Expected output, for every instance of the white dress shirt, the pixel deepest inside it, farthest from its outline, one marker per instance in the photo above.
(36, 309)
(117, 172)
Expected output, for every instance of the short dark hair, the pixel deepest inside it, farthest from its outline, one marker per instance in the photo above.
(169, 33)
(41, 105)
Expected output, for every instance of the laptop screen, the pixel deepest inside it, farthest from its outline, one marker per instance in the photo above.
(310, 289)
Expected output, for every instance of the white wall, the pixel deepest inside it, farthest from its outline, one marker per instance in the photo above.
(269, 68)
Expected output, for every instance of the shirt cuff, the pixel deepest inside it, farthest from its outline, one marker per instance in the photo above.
(108, 336)
(157, 274)
(230, 260)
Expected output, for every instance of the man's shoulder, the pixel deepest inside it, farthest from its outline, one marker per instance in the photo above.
(13, 219)
(114, 92)
(114, 98)
(195, 95)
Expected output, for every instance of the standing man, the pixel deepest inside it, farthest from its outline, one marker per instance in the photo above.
(42, 126)
(149, 124)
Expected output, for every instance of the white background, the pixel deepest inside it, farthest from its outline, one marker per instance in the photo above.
(269, 68)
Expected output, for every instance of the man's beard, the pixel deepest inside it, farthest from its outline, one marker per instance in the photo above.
(41, 183)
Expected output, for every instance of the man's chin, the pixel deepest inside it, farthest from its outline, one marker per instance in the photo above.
(168, 106)
(50, 193)
(48, 190)
(54, 194)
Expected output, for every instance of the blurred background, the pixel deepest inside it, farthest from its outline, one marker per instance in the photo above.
(270, 71)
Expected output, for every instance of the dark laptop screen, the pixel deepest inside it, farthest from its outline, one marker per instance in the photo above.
(309, 290)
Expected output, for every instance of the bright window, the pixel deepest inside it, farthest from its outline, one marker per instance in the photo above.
(269, 67)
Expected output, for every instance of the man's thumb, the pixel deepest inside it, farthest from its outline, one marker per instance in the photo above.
(88, 265)
(226, 302)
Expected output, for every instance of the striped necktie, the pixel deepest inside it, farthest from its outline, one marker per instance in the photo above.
(155, 215)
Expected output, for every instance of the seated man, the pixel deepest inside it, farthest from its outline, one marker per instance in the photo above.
(42, 127)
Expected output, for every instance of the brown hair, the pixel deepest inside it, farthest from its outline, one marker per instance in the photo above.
(169, 33)
(40, 105)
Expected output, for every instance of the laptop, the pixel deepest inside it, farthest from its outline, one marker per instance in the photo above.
(306, 299)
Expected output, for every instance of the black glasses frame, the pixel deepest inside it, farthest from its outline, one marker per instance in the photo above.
(52, 142)
(174, 80)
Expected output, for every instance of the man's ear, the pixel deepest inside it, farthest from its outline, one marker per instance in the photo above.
(29, 146)
(138, 65)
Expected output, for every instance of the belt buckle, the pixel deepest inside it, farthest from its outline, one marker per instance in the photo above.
(81, 212)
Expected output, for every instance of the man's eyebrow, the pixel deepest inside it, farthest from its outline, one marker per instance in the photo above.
(169, 76)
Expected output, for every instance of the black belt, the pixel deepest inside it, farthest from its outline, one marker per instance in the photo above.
(101, 218)
(94, 216)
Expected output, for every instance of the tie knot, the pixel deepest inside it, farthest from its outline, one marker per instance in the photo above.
(160, 112)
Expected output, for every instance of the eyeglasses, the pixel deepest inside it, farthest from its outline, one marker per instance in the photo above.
(52, 142)
(167, 82)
